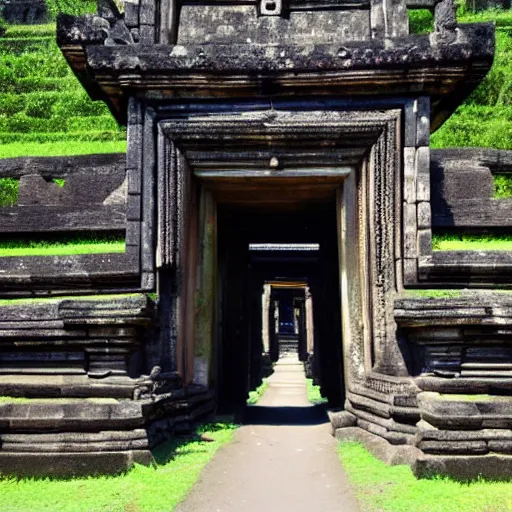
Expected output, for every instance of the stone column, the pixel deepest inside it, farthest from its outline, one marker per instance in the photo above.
(310, 334)
(265, 324)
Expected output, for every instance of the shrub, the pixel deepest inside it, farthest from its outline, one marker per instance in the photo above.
(502, 186)
(92, 123)
(73, 7)
(8, 191)
(77, 103)
(421, 21)
(20, 122)
(11, 103)
(39, 104)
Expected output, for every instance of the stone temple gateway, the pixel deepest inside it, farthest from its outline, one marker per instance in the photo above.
(299, 121)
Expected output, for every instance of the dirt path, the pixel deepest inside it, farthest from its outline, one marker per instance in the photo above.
(283, 459)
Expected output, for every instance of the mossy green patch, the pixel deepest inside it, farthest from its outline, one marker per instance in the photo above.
(314, 394)
(67, 247)
(64, 250)
(474, 398)
(256, 394)
(502, 186)
(13, 400)
(8, 191)
(59, 181)
(36, 300)
(23, 400)
(462, 242)
(382, 488)
(143, 489)
(433, 294)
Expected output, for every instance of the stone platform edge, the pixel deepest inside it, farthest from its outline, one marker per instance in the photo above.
(491, 466)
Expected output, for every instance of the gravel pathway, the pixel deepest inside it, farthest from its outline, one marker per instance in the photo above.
(282, 459)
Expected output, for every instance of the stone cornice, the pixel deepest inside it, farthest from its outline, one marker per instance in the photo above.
(417, 64)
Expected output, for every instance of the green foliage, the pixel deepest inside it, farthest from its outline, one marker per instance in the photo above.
(256, 394)
(24, 302)
(382, 488)
(463, 242)
(434, 294)
(42, 102)
(314, 394)
(143, 489)
(502, 186)
(8, 191)
(64, 246)
(485, 118)
(52, 144)
(13, 400)
(74, 7)
(59, 181)
(421, 21)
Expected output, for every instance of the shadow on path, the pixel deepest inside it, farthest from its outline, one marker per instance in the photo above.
(283, 415)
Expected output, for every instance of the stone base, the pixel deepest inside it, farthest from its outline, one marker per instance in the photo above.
(460, 467)
(77, 437)
(71, 464)
(389, 453)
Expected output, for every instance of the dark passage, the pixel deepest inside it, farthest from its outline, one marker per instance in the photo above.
(263, 415)
(242, 276)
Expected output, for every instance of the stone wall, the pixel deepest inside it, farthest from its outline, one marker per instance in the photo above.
(24, 11)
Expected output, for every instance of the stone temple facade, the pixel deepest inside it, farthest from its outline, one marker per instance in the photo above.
(265, 121)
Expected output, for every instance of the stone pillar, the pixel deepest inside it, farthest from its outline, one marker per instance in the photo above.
(310, 334)
(205, 290)
(265, 324)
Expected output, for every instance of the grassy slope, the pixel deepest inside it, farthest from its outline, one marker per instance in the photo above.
(143, 489)
(44, 111)
(485, 118)
(381, 488)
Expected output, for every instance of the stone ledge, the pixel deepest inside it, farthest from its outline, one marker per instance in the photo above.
(39, 464)
(390, 454)
(460, 467)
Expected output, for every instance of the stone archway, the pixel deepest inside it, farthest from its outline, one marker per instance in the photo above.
(353, 150)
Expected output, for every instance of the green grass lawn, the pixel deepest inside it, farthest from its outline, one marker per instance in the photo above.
(472, 243)
(382, 488)
(44, 110)
(313, 392)
(143, 489)
(35, 300)
(65, 247)
(63, 148)
(485, 118)
(256, 394)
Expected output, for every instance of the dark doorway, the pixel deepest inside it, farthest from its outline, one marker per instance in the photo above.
(242, 274)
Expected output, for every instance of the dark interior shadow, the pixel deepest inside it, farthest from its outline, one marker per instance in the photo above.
(260, 415)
